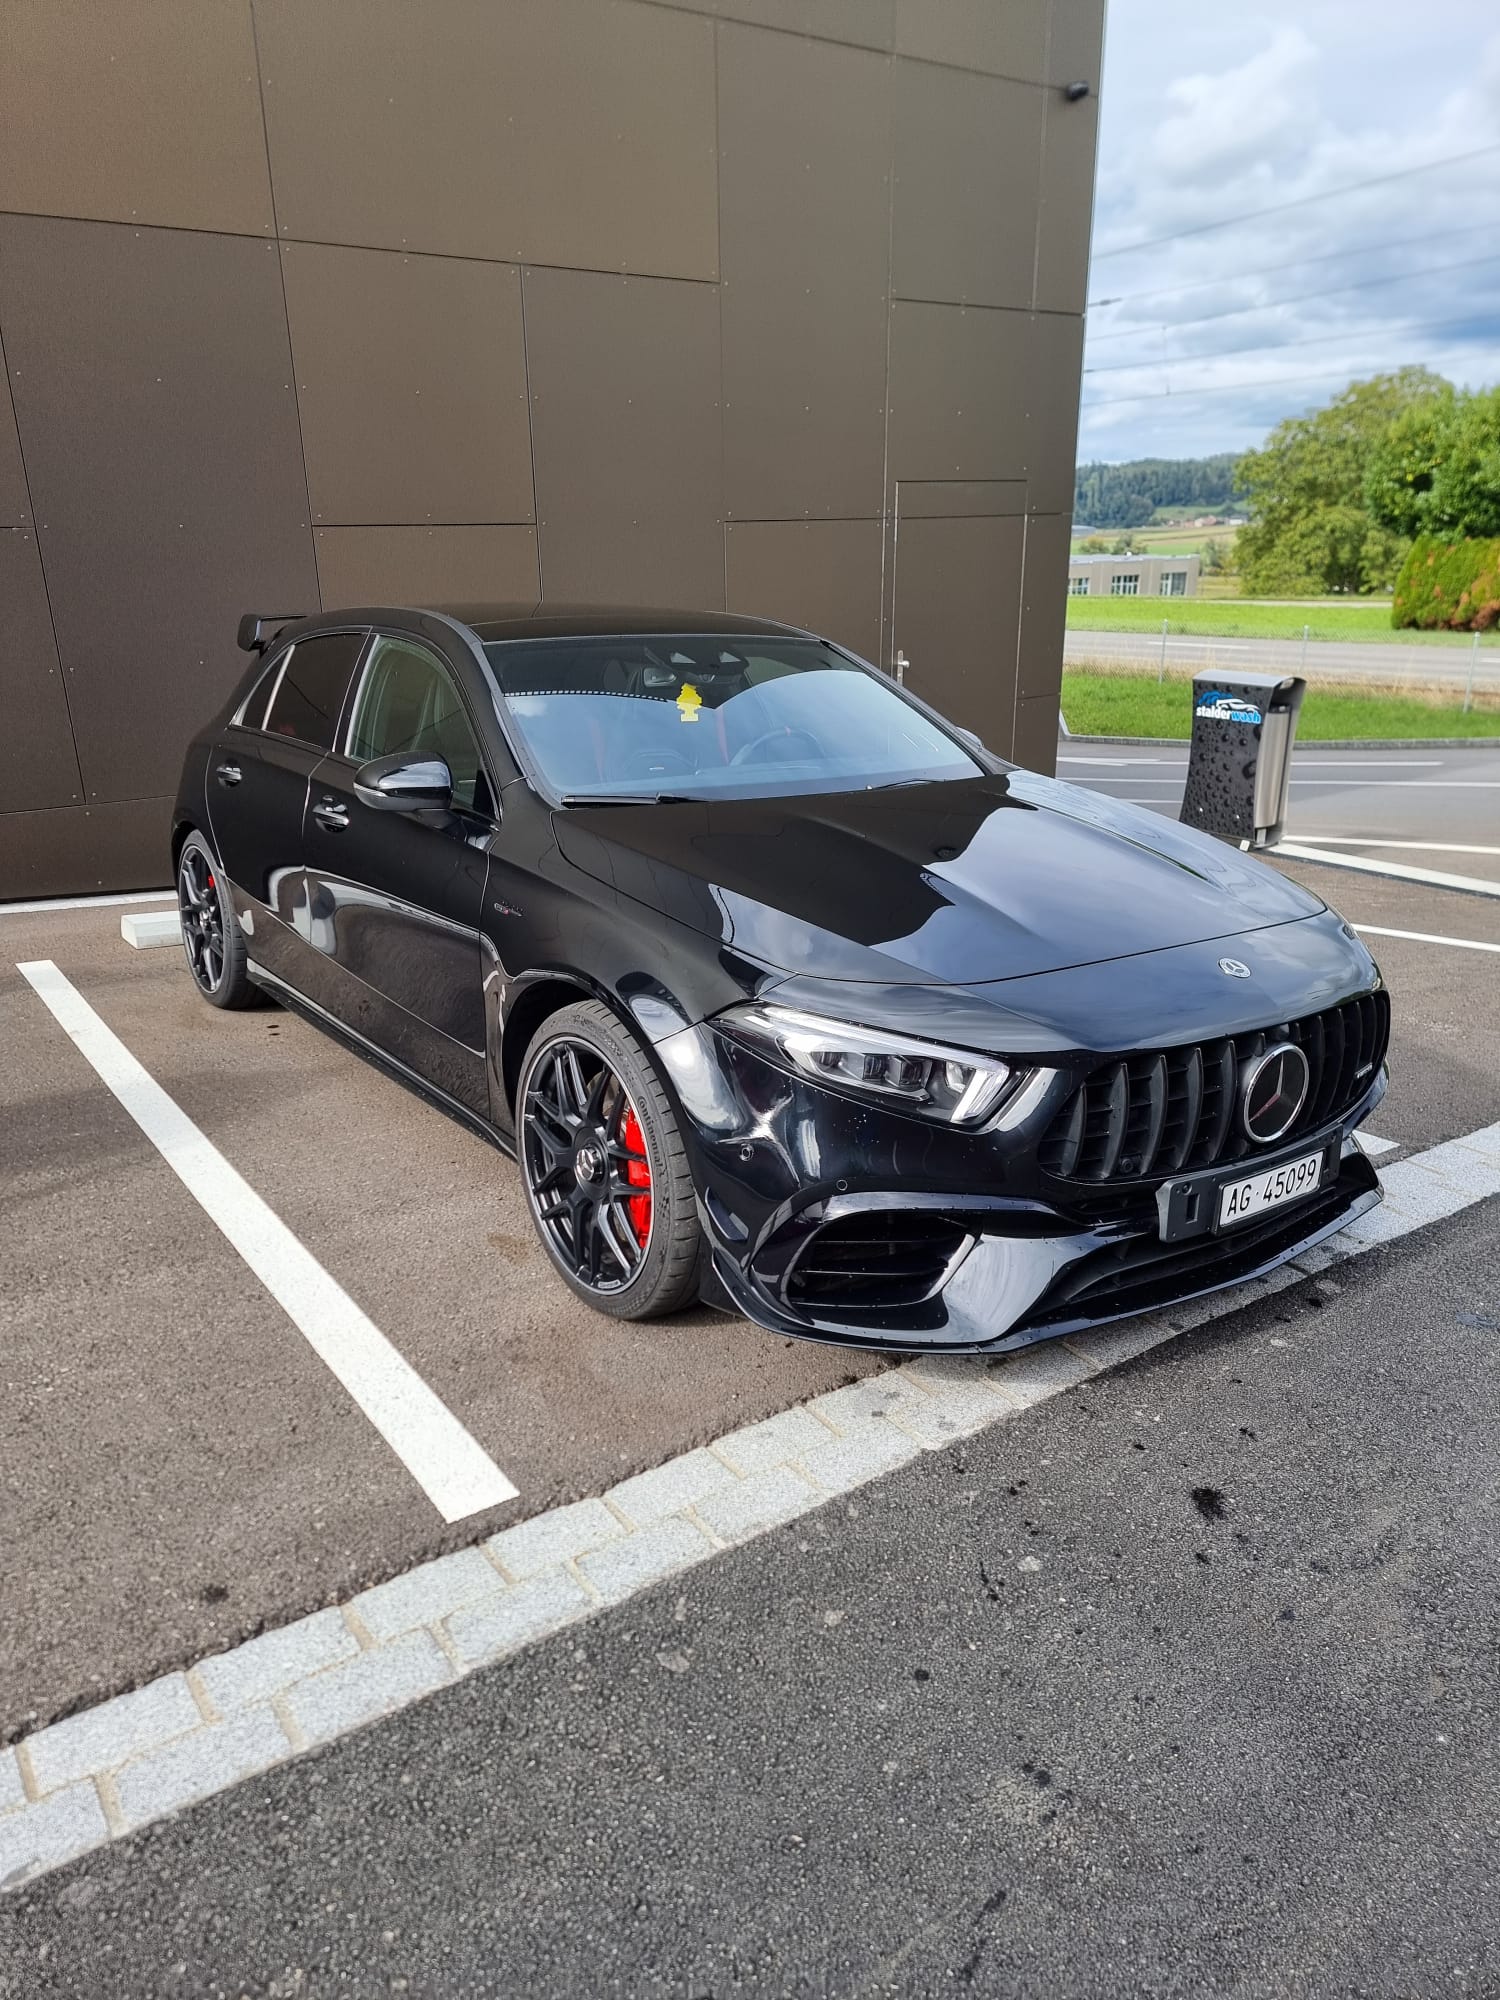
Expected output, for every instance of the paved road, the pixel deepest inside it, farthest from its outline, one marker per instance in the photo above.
(1182, 1684)
(1440, 665)
(1365, 795)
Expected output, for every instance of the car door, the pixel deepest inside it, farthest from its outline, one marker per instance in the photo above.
(258, 772)
(395, 896)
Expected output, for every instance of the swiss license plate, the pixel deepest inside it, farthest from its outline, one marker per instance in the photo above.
(1289, 1182)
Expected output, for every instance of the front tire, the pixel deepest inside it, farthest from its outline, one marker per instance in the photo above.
(607, 1181)
(212, 940)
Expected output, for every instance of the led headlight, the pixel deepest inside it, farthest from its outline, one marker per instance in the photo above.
(953, 1085)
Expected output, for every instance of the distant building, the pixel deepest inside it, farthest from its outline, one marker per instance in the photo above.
(1133, 576)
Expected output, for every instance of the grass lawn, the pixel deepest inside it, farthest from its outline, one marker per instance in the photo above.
(1137, 705)
(1247, 618)
(1176, 538)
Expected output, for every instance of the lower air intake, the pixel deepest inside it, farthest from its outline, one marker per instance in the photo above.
(871, 1262)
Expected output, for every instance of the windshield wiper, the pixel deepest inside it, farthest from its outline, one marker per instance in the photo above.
(625, 799)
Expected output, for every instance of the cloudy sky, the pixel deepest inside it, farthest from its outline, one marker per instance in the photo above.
(1211, 112)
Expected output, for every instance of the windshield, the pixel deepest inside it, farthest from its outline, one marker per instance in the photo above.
(697, 717)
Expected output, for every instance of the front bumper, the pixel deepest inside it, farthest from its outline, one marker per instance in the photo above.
(1014, 1281)
(989, 1252)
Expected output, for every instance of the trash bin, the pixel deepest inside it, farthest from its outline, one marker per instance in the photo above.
(1240, 758)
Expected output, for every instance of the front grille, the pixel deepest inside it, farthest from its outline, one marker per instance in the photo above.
(1172, 1111)
(871, 1261)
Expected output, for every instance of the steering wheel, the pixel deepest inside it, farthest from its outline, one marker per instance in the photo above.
(746, 754)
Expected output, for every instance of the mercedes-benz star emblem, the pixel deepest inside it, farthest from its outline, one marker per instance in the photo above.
(1234, 968)
(1273, 1092)
(588, 1164)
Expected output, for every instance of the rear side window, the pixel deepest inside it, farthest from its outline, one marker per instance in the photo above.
(252, 713)
(313, 684)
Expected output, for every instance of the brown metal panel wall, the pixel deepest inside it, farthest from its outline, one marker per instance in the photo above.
(578, 132)
(1053, 371)
(154, 385)
(83, 849)
(625, 431)
(949, 499)
(427, 565)
(959, 392)
(821, 574)
(1002, 37)
(38, 766)
(867, 24)
(804, 139)
(15, 500)
(1034, 736)
(153, 391)
(1044, 605)
(1075, 44)
(1065, 209)
(411, 384)
(957, 609)
(958, 134)
(143, 112)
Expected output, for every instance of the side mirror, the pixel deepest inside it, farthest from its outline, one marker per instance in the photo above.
(405, 784)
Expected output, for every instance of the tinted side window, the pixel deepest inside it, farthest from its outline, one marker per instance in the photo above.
(408, 703)
(307, 703)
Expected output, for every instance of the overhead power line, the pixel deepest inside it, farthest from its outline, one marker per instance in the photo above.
(1300, 298)
(1271, 270)
(1300, 201)
(1278, 347)
(1219, 389)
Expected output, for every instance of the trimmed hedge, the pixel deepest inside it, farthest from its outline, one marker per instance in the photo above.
(1453, 585)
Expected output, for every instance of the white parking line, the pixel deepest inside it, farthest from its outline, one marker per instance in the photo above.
(1372, 1147)
(1400, 871)
(1412, 784)
(1427, 937)
(85, 903)
(452, 1470)
(1416, 846)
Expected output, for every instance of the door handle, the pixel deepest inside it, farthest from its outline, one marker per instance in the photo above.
(229, 774)
(330, 814)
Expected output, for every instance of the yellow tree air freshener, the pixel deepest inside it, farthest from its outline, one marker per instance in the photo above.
(689, 702)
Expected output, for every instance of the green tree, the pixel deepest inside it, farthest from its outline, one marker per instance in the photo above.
(1436, 471)
(1311, 530)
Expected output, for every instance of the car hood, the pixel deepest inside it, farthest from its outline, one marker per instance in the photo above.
(998, 877)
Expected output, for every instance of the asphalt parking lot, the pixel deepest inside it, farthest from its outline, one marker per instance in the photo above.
(1183, 1685)
(181, 1468)
(181, 1471)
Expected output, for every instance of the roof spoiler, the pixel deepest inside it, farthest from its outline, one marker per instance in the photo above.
(258, 629)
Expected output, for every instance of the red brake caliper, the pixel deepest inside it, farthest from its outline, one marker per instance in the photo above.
(637, 1175)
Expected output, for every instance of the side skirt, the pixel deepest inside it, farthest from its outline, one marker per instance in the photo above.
(317, 1017)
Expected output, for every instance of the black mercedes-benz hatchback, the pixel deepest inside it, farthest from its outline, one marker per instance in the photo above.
(782, 990)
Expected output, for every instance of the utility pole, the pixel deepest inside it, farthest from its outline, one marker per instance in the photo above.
(1161, 672)
(1473, 663)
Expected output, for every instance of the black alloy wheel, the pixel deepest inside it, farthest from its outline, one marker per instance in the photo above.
(606, 1178)
(202, 918)
(211, 939)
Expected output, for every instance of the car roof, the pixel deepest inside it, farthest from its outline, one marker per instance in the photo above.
(553, 621)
